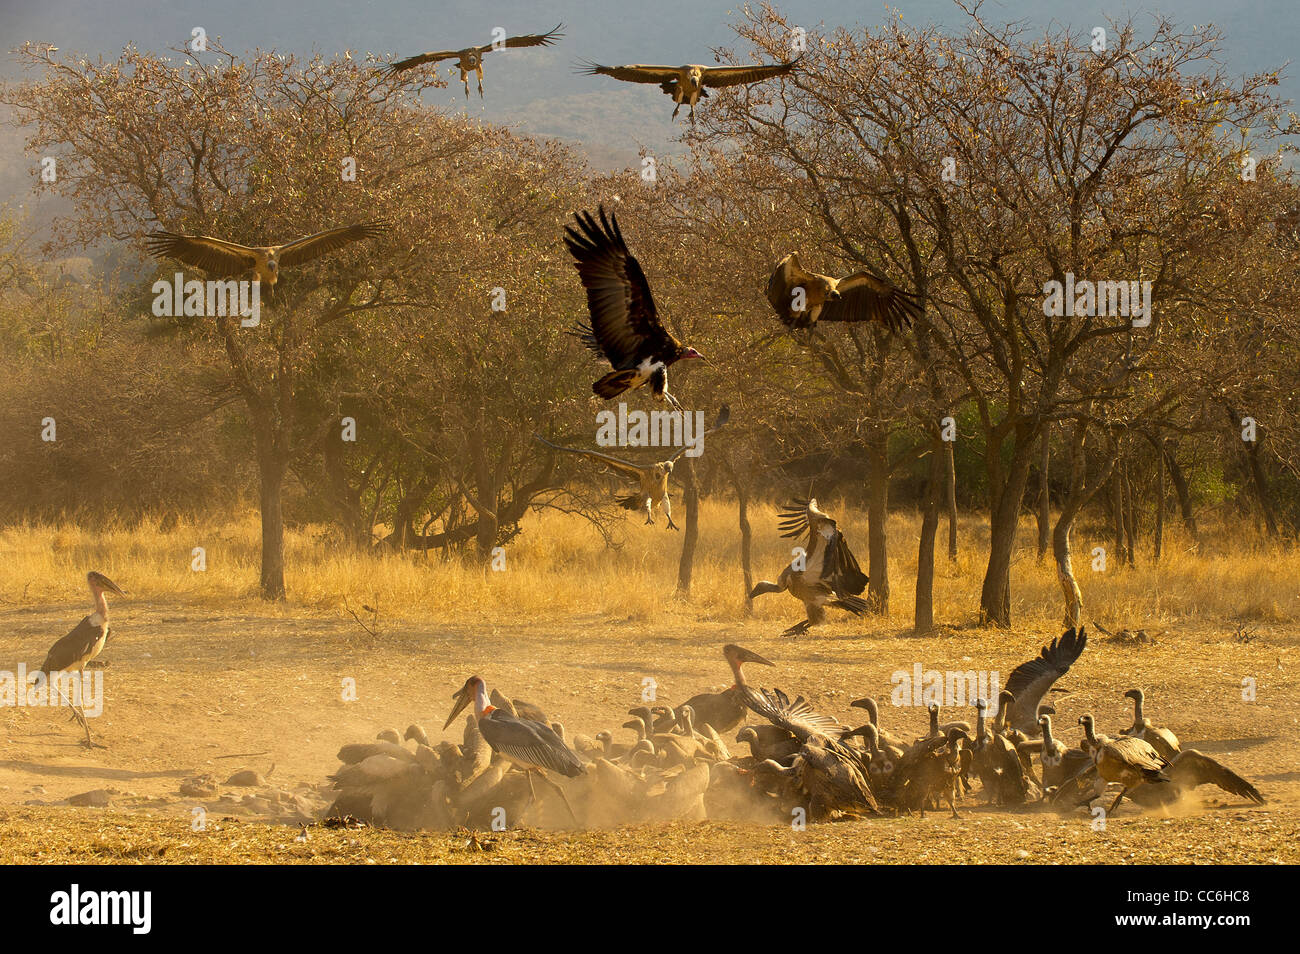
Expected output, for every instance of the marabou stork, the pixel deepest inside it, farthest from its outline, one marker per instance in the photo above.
(625, 327)
(688, 84)
(860, 296)
(470, 59)
(223, 259)
(653, 478)
(84, 643)
(830, 575)
(723, 710)
(532, 746)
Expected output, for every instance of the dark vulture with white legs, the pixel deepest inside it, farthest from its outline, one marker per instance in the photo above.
(625, 327)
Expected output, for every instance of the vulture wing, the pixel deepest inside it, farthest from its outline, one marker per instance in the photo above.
(1030, 680)
(314, 246)
(421, 58)
(636, 73)
(624, 322)
(1191, 768)
(798, 718)
(215, 256)
(841, 568)
(621, 466)
(720, 76)
(788, 275)
(864, 297)
(528, 39)
(724, 416)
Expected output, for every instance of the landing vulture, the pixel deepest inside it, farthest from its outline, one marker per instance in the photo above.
(687, 84)
(653, 478)
(802, 298)
(625, 328)
(829, 575)
(222, 259)
(1031, 680)
(470, 60)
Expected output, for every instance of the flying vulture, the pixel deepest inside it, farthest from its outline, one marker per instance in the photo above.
(830, 575)
(686, 84)
(625, 328)
(222, 259)
(471, 59)
(652, 477)
(802, 298)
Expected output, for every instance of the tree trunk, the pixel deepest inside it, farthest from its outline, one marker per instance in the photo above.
(271, 489)
(1130, 517)
(877, 514)
(924, 614)
(1159, 533)
(746, 543)
(691, 500)
(950, 466)
(1183, 492)
(1065, 572)
(995, 595)
(1044, 496)
(1117, 516)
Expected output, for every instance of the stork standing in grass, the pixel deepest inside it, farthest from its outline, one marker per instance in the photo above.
(84, 643)
(532, 746)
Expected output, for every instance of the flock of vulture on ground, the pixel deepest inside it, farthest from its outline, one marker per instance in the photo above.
(685, 763)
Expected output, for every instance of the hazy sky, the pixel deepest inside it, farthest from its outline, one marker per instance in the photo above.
(538, 89)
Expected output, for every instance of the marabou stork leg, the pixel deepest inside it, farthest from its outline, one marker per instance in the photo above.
(559, 791)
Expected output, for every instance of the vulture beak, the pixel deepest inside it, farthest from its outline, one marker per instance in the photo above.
(462, 698)
(832, 295)
(692, 353)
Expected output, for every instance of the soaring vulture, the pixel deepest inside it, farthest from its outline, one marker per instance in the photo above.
(687, 84)
(223, 259)
(470, 59)
(1031, 680)
(802, 298)
(625, 328)
(653, 478)
(830, 575)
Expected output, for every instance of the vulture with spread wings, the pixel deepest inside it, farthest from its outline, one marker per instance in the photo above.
(223, 259)
(625, 329)
(470, 60)
(829, 574)
(1031, 680)
(653, 478)
(802, 298)
(687, 84)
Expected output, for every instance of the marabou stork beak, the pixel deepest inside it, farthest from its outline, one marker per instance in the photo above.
(462, 698)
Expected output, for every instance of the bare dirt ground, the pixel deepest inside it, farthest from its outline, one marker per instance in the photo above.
(191, 692)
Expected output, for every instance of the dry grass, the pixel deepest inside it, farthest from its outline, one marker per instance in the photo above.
(202, 673)
(559, 565)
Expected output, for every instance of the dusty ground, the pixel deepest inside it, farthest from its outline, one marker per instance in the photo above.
(191, 692)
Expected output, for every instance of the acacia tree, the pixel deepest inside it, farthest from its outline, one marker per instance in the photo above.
(263, 149)
(1009, 161)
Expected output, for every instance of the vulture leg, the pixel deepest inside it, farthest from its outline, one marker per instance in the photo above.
(1115, 804)
(668, 512)
(677, 108)
(464, 78)
(649, 512)
(478, 71)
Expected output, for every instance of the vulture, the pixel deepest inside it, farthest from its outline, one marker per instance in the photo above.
(1158, 737)
(223, 259)
(830, 575)
(653, 478)
(1032, 680)
(687, 84)
(724, 710)
(1126, 760)
(470, 60)
(801, 298)
(625, 328)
